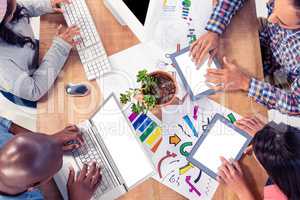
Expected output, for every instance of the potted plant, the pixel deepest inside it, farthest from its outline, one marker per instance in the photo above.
(157, 89)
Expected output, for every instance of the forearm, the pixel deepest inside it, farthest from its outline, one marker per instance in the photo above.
(222, 15)
(36, 8)
(36, 86)
(246, 195)
(274, 98)
(16, 129)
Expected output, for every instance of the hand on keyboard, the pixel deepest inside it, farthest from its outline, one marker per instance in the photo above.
(56, 7)
(70, 138)
(90, 49)
(85, 184)
(69, 34)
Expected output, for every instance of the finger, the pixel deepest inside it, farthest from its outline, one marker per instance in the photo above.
(72, 128)
(70, 147)
(220, 179)
(98, 183)
(230, 167)
(219, 87)
(213, 80)
(59, 30)
(96, 177)
(216, 71)
(250, 122)
(58, 10)
(259, 121)
(75, 43)
(237, 166)
(213, 52)
(211, 59)
(204, 52)
(66, 32)
(91, 173)
(249, 150)
(222, 176)
(83, 172)
(225, 167)
(72, 34)
(244, 128)
(64, 1)
(196, 50)
(247, 123)
(227, 63)
(194, 44)
(216, 76)
(71, 177)
(80, 139)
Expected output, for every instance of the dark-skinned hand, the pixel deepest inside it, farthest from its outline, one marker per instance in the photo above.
(70, 138)
(85, 184)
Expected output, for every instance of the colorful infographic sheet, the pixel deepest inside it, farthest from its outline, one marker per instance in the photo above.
(170, 142)
(181, 22)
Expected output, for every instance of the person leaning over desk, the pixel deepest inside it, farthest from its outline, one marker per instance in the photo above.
(280, 44)
(28, 160)
(20, 73)
(277, 150)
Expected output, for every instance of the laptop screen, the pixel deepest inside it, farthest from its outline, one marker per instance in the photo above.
(124, 148)
(139, 8)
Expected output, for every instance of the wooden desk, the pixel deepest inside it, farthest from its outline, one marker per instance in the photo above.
(56, 110)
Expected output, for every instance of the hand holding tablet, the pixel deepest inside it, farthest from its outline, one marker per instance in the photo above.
(221, 139)
(193, 76)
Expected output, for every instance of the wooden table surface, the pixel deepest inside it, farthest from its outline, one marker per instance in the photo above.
(240, 43)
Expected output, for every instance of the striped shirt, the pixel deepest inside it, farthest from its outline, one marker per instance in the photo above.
(280, 51)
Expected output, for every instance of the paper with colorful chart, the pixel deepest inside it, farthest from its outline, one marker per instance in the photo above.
(170, 142)
(181, 22)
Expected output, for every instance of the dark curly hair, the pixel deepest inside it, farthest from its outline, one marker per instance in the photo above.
(8, 35)
(278, 150)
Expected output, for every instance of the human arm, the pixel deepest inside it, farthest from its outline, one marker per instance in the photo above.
(85, 184)
(70, 138)
(231, 175)
(219, 20)
(222, 15)
(33, 87)
(231, 78)
(12, 127)
(287, 102)
(36, 8)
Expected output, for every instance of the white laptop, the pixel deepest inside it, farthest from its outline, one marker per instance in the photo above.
(111, 142)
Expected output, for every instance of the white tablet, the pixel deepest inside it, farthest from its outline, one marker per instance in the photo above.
(221, 139)
(192, 76)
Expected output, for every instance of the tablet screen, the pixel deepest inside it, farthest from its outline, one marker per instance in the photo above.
(194, 77)
(220, 141)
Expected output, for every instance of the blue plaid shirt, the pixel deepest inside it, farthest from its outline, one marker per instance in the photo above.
(5, 136)
(281, 52)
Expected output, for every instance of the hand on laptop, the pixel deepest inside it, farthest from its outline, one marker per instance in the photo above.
(85, 184)
(70, 138)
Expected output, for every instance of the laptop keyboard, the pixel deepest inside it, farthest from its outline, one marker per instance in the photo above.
(89, 153)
